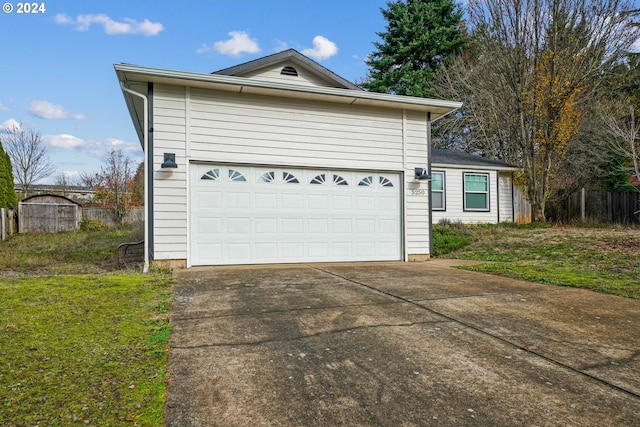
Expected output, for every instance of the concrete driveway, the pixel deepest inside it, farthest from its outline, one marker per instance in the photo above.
(397, 344)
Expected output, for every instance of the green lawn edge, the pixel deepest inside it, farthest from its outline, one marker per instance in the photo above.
(84, 349)
(602, 259)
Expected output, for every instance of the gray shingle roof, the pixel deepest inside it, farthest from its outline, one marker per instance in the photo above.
(454, 157)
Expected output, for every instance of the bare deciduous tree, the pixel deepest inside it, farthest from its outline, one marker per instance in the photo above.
(63, 181)
(622, 118)
(88, 180)
(529, 87)
(114, 184)
(28, 154)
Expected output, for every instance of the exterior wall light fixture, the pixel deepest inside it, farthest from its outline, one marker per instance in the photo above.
(422, 174)
(169, 161)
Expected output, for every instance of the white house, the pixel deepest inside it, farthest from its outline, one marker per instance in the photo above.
(473, 189)
(280, 160)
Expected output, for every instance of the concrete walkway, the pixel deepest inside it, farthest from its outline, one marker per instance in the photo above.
(397, 344)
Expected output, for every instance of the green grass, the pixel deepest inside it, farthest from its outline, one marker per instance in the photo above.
(78, 348)
(449, 237)
(604, 259)
(64, 253)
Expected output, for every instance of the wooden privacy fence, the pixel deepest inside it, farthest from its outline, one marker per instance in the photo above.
(607, 207)
(107, 216)
(521, 207)
(8, 223)
(48, 213)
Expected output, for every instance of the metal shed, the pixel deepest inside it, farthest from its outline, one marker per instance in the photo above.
(48, 213)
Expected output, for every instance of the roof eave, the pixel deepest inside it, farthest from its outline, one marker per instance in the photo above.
(472, 166)
(438, 108)
(288, 55)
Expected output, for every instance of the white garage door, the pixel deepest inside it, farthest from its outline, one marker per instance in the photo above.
(253, 215)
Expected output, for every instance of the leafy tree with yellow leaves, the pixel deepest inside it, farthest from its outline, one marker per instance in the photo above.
(530, 86)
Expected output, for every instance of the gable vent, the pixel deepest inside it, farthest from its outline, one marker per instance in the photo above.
(289, 71)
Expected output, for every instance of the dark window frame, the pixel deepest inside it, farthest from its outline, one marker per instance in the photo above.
(443, 191)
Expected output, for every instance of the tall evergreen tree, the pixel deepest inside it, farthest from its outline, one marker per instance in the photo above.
(8, 198)
(420, 36)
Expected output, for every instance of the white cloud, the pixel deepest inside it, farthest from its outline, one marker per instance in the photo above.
(92, 148)
(10, 124)
(111, 27)
(280, 46)
(636, 46)
(63, 141)
(239, 43)
(323, 48)
(3, 108)
(47, 110)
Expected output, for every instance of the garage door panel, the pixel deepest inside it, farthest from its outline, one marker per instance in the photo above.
(387, 204)
(238, 251)
(237, 200)
(242, 215)
(318, 250)
(341, 203)
(238, 226)
(265, 200)
(342, 226)
(365, 249)
(317, 201)
(210, 250)
(388, 248)
(292, 250)
(266, 226)
(292, 226)
(365, 203)
(388, 226)
(209, 200)
(365, 226)
(266, 251)
(211, 226)
(292, 201)
(342, 249)
(317, 225)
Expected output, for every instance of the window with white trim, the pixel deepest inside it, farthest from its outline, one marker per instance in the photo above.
(476, 191)
(437, 191)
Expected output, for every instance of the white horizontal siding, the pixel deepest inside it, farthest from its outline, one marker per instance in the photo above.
(417, 205)
(202, 125)
(169, 186)
(505, 193)
(169, 252)
(231, 127)
(272, 74)
(454, 198)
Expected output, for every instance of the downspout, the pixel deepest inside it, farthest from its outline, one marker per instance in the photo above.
(498, 194)
(429, 184)
(145, 147)
(405, 248)
(513, 201)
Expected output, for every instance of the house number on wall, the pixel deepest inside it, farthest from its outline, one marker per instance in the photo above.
(418, 192)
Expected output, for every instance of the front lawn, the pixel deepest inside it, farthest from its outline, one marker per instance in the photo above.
(604, 259)
(80, 343)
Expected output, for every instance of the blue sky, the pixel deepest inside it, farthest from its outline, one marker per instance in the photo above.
(57, 72)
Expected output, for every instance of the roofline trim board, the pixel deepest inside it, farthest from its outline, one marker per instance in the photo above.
(472, 166)
(438, 108)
